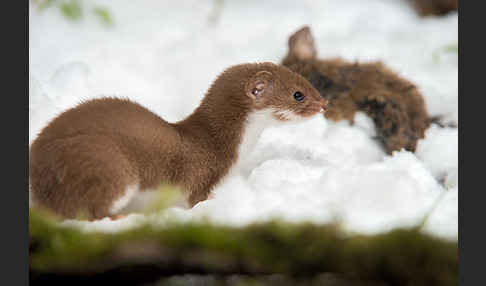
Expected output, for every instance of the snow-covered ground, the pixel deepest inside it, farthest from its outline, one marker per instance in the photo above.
(165, 54)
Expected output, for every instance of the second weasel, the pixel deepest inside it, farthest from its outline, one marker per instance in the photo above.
(394, 103)
(95, 158)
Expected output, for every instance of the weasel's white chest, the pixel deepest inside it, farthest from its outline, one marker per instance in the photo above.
(256, 122)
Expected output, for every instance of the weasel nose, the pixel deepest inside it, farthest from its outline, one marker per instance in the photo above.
(323, 103)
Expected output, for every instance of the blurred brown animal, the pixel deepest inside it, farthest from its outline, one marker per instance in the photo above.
(434, 7)
(394, 103)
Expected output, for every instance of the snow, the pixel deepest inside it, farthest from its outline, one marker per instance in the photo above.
(165, 54)
(439, 152)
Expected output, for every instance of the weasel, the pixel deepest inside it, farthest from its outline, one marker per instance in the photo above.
(394, 103)
(96, 157)
(434, 7)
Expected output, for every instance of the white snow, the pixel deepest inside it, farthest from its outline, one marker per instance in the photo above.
(165, 54)
(439, 152)
(123, 201)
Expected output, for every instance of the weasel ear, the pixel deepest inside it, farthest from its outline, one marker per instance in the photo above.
(259, 85)
(301, 44)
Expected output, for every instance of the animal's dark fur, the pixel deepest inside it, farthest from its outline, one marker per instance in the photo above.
(434, 7)
(85, 159)
(394, 103)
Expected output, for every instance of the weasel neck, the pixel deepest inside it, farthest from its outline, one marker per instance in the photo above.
(217, 127)
(255, 123)
(225, 126)
(230, 137)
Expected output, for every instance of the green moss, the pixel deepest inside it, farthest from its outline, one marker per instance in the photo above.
(397, 257)
(104, 15)
(74, 10)
(450, 48)
(53, 246)
(44, 4)
(71, 10)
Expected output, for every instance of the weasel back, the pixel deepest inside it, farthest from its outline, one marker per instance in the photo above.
(91, 155)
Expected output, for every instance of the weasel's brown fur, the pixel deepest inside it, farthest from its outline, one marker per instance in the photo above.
(434, 7)
(394, 103)
(91, 155)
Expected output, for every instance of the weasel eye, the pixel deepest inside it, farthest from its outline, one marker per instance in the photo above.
(299, 96)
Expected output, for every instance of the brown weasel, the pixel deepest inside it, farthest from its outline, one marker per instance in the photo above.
(95, 157)
(394, 103)
(434, 7)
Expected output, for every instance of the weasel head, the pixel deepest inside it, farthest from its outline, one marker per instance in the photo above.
(289, 96)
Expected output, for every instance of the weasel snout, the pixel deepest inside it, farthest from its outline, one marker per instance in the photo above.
(324, 103)
(319, 105)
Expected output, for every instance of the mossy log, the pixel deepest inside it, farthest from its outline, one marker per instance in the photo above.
(147, 253)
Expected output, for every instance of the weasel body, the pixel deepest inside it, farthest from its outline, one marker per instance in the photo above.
(95, 158)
